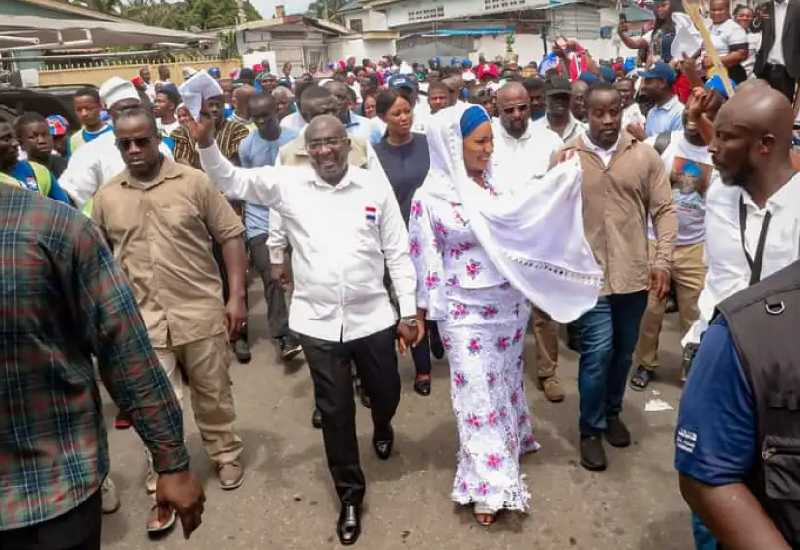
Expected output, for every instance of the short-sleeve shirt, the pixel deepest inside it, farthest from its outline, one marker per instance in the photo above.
(161, 234)
(406, 166)
(690, 170)
(715, 438)
(730, 37)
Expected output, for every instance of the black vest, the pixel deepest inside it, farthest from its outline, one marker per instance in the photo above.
(764, 322)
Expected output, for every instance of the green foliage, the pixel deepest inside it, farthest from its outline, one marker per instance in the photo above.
(327, 9)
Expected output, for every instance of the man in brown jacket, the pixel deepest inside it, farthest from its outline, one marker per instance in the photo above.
(624, 183)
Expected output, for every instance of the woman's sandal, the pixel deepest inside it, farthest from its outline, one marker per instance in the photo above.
(641, 379)
(484, 516)
(156, 523)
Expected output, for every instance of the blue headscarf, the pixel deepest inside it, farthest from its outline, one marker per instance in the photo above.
(473, 117)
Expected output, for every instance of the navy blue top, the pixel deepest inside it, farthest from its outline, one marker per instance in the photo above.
(715, 439)
(406, 166)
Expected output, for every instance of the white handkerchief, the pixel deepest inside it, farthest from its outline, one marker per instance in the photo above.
(197, 89)
(687, 38)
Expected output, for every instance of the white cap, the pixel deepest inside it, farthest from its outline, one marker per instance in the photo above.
(116, 89)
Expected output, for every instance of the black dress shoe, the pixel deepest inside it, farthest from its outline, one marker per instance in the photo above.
(383, 446)
(617, 433)
(593, 455)
(349, 526)
(423, 387)
(316, 419)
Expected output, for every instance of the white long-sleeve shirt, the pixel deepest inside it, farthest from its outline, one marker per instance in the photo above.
(93, 165)
(526, 156)
(341, 237)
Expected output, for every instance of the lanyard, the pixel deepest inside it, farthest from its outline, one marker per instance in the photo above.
(757, 263)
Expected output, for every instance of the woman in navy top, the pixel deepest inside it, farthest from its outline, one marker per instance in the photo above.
(405, 159)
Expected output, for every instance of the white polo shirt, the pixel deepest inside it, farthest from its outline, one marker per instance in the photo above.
(524, 157)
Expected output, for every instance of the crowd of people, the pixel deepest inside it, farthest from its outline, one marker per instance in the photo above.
(442, 208)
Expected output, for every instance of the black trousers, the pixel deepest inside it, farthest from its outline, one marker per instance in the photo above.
(277, 312)
(329, 362)
(779, 79)
(78, 529)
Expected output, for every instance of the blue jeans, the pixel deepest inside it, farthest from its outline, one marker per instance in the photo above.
(608, 336)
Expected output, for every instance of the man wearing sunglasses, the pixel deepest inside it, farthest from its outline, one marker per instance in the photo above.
(345, 225)
(95, 163)
(520, 144)
(160, 217)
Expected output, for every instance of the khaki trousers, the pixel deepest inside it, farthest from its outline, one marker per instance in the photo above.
(688, 276)
(545, 330)
(205, 363)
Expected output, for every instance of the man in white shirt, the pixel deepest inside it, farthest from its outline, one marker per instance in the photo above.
(558, 118)
(344, 226)
(522, 151)
(98, 161)
(758, 198)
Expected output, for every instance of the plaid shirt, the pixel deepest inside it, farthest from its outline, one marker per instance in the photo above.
(63, 298)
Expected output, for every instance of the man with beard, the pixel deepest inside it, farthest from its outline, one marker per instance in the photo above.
(522, 151)
(727, 426)
(536, 90)
(624, 185)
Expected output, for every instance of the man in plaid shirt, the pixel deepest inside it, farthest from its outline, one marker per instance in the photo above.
(63, 298)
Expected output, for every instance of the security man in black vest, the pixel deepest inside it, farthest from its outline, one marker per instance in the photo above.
(738, 434)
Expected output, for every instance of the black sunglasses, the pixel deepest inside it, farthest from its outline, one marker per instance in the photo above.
(125, 143)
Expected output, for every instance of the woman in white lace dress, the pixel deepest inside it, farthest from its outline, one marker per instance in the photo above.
(483, 251)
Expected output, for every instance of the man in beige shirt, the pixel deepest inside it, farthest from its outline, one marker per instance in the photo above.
(624, 184)
(159, 217)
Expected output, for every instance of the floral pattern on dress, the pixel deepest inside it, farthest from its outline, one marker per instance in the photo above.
(414, 248)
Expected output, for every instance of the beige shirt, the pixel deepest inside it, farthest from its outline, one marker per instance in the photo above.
(617, 200)
(161, 232)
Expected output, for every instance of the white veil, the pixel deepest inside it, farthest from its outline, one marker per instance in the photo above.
(533, 233)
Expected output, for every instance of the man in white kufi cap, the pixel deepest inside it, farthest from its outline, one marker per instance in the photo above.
(98, 161)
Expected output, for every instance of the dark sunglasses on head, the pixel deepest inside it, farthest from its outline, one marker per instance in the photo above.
(141, 142)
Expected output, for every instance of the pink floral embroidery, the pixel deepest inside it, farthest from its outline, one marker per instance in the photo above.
(414, 248)
(465, 246)
(494, 460)
(491, 378)
(439, 229)
(416, 209)
(452, 282)
(514, 398)
(474, 346)
(473, 269)
(502, 343)
(489, 311)
(473, 420)
(503, 413)
(459, 311)
(483, 488)
(517, 336)
(438, 243)
(522, 419)
(446, 343)
(459, 379)
(431, 280)
(492, 418)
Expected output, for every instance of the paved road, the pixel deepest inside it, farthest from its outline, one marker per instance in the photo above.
(287, 501)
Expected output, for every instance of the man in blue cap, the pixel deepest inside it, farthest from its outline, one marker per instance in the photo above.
(667, 112)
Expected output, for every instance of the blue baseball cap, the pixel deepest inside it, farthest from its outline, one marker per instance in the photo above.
(403, 81)
(660, 70)
(715, 83)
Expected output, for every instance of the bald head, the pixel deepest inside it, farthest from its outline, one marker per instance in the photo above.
(753, 139)
(325, 126)
(762, 110)
(511, 92)
(241, 97)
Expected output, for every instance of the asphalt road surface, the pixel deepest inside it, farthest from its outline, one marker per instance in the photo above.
(288, 502)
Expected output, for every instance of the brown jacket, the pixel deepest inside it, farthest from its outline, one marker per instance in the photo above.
(617, 201)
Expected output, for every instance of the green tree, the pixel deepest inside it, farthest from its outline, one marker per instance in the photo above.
(327, 9)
